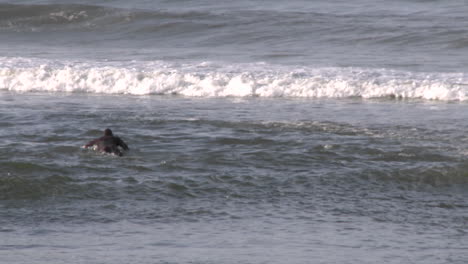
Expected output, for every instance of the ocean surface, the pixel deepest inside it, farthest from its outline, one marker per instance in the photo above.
(259, 131)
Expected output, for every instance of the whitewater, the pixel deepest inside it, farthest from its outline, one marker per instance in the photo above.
(215, 80)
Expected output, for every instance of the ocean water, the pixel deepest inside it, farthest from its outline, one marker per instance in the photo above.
(259, 131)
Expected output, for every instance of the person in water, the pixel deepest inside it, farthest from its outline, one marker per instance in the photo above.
(108, 143)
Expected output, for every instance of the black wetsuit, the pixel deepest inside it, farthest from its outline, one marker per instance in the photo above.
(108, 143)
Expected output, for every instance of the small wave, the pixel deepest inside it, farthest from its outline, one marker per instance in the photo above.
(12, 187)
(53, 17)
(32, 17)
(218, 80)
(420, 178)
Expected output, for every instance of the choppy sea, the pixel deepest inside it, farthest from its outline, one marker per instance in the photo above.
(259, 131)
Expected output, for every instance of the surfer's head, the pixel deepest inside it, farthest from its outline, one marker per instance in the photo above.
(107, 132)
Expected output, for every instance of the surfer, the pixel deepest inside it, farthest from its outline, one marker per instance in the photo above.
(108, 143)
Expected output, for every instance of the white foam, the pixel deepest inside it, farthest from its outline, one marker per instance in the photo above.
(217, 80)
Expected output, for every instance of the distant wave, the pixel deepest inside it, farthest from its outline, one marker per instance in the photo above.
(225, 80)
(238, 25)
(52, 17)
(23, 17)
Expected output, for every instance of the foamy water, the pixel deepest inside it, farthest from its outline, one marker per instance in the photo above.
(215, 80)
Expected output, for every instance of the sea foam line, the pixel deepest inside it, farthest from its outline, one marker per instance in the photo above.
(218, 80)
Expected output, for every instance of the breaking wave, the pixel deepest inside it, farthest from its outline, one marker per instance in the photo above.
(211, 79)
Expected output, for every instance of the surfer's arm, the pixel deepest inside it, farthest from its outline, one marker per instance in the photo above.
(122, 144)
(91, 143)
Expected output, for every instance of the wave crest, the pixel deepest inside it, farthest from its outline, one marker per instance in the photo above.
(217, 80)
